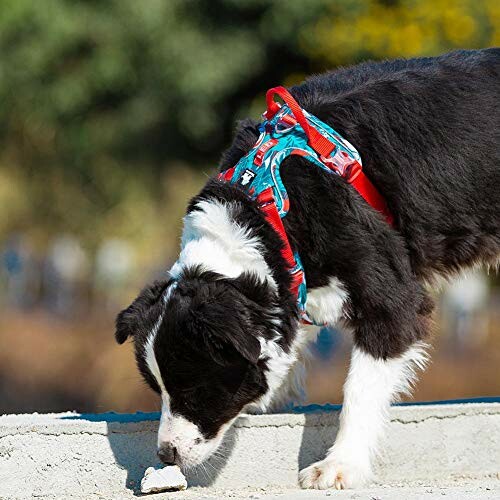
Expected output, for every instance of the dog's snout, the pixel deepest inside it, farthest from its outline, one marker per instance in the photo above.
(168, 454)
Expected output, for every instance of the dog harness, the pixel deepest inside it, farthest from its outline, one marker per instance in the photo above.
(290, 130)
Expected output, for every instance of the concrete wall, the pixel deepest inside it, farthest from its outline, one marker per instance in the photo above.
(63, 455)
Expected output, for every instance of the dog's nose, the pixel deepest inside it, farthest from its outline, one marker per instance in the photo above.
(168, 454)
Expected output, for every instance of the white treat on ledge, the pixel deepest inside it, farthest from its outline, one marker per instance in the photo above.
(168, 478)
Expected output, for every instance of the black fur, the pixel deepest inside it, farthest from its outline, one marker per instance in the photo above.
(428, 134)
(428, 131)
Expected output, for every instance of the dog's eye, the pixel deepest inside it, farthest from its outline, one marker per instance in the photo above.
(185, 391)
(186, 386)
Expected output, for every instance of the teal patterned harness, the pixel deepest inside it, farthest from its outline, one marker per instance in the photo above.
(282, 134)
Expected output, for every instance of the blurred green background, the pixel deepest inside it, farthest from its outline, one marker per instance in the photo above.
(113, 113)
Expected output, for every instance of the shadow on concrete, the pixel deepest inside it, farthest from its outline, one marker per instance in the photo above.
(320, 429)
(206, 473)
(132, 439)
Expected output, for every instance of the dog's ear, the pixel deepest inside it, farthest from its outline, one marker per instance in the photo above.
(254, 289)
(126, 324)
(140, 315)
(244, 343)
(224, 331)
(219, 315)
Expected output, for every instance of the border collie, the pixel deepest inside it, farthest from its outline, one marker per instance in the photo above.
(221, 334)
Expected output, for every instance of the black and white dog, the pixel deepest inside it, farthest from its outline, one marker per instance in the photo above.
(221, 334)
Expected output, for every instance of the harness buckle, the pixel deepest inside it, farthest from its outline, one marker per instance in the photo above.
(352, 171)
(343, 164)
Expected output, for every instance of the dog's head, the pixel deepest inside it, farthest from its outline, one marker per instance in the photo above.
(198, 345)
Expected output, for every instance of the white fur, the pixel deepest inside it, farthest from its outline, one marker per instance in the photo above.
(325, 304)
(212, 239)
(289, 389)
(184, 435)
(371, 386)
(279, 363)
(176, 430)
(149, 353)
(286, 371)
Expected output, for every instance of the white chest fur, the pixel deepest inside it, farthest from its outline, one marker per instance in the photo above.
(325, 304)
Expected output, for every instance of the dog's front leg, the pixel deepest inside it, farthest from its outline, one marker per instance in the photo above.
(372, 384)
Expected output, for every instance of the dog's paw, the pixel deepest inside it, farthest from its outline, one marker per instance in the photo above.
(329, 473)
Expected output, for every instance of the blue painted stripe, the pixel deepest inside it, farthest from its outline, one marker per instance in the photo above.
(328, 407)
(336, 407)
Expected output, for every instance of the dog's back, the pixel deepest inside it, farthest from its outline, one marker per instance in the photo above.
(428, 131)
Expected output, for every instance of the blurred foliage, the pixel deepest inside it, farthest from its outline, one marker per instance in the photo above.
(105, 103)
(99, 96)
(376, 29)
(134, 79)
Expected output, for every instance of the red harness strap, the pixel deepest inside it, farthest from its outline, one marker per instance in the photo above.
(268, 207)
(358, 180)
(354, 175)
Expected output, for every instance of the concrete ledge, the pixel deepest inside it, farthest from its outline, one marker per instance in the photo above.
(71, 455)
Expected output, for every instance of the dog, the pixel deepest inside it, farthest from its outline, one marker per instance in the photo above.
(221, 334)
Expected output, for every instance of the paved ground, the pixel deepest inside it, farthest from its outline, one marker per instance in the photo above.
(460, 489)
(72, 456)
(457, 490)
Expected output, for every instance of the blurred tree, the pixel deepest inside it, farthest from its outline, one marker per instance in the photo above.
(353, 31)
(97, 96)
(102, 99)
(138, 80)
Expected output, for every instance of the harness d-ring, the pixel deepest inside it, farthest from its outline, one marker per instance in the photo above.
(317, 141)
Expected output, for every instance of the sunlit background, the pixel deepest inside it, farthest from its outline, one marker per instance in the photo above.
(113, 113)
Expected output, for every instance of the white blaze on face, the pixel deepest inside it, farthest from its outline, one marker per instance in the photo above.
(149, 352)
(177, 431)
